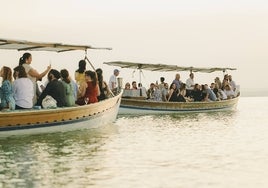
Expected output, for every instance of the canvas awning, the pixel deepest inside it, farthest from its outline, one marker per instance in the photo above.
(22, 45)
(164, 67)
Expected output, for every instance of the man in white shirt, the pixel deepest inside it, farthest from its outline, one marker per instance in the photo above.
(113, 80)
(190, 84)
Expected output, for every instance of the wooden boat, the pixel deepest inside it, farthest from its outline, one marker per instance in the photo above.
(59, 119)
(140, 105)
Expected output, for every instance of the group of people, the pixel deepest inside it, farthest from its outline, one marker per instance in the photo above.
(25, 92)
(188, 91)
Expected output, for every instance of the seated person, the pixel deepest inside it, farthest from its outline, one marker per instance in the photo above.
(127, 85)
(142, 90)
(232, 83)
(229, 92)
(222, 95)
(218, 82)
(197, 93)
(89, 90)
(211, 94)
(23, 89)
(182, 94)
(214, 88)
(134, 85)
(150, 91)
(127, 91)
(69, 90)
(104, 88)
(54, 88)
(6, 91)
(157, 95)
(164, 92)
(173, 93)
(204, 93)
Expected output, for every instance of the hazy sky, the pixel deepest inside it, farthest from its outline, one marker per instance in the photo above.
(204, 33)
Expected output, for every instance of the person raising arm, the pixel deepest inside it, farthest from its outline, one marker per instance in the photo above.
(26, 61)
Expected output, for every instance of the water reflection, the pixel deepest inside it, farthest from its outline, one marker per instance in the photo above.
(28, 160)
(217, 149)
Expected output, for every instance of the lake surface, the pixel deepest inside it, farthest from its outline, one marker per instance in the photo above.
(222, 149)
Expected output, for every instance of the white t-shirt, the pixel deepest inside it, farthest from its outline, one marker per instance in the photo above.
(23, 92)
(189, 83)
(27, 69)
(33, 79)
(113, 80)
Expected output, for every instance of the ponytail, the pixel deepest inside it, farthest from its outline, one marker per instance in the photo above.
(23, 59)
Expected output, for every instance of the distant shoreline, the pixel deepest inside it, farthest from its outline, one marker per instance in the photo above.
(250, 92)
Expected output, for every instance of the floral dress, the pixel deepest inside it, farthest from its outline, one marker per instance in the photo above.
(6, 94)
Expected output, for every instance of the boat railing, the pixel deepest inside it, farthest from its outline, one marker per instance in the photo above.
(134, 93)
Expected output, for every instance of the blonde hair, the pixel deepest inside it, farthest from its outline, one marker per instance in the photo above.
(7, 73)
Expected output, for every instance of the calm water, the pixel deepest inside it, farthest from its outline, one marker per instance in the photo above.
(191, 150)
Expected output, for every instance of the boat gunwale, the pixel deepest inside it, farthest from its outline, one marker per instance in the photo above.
(48, 110)
(168, 102)
(172, 107)
(76, 113)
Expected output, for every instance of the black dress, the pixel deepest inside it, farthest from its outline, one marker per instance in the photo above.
(197, 95)
(174, 96)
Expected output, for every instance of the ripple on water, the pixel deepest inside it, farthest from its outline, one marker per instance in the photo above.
(220, 149)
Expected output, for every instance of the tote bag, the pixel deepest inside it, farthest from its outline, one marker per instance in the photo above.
(49, 102)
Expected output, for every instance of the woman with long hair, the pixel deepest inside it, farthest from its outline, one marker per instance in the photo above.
(32, 74)
(6, 92)
(80, 72)
(89, 89)
(23, 89)
(173, 93)
(69, 90)
(104, 89)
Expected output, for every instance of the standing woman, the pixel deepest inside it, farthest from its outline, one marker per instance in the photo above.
(32, 74)
(80, 72)
(23, 89)
(89, 89)
(6, 93)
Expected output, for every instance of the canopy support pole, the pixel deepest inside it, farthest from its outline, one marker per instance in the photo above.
(86, 58)
(140, 83)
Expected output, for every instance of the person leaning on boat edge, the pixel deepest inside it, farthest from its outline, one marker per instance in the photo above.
(104, 89)
(113, 81)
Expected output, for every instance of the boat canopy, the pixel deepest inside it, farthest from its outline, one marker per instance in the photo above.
(164, 67)
(22, 45)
